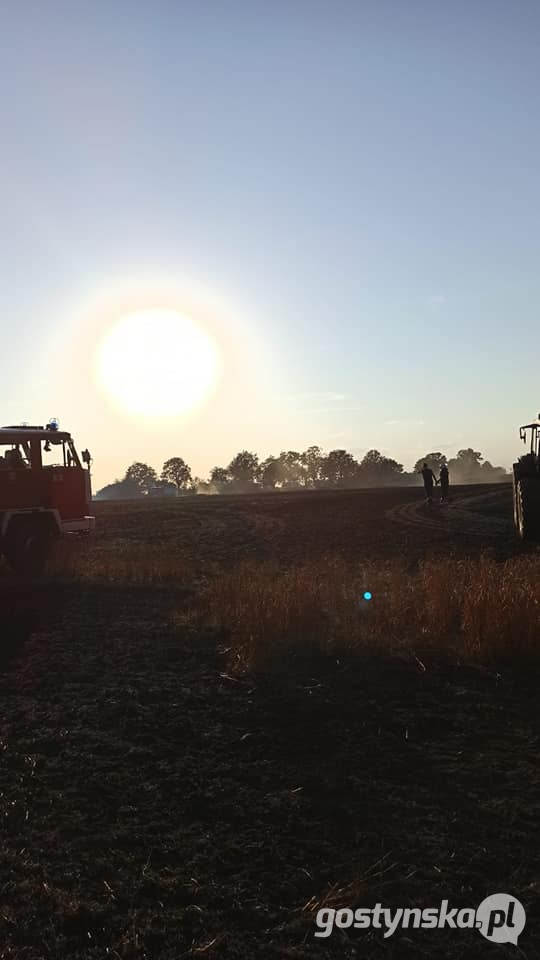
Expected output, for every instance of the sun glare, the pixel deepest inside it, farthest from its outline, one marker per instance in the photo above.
(158, 363)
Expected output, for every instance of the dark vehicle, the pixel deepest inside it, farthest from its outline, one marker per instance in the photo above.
(526, 485)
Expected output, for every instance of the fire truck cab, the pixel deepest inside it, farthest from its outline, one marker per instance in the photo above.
(45, 492)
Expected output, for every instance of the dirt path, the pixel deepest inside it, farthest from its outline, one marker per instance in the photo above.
(462, 515)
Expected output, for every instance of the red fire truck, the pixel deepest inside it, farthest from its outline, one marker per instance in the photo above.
(45, 492)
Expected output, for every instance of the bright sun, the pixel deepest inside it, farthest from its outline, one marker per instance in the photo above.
(158, 363)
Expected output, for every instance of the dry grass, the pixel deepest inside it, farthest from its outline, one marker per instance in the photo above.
(476, 609)
(117, 562)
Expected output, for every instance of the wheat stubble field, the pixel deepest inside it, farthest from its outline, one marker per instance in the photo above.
(206, 733)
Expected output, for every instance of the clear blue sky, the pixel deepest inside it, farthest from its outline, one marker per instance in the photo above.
(354, 184)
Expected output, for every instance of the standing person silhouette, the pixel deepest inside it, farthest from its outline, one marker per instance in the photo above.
(429, 480)
(444, 481)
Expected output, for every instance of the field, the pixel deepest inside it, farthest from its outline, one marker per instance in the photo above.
(186, 772)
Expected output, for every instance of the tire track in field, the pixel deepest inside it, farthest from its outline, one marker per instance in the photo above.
(456, 517)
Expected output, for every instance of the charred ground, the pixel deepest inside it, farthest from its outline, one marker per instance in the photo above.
(156, 805)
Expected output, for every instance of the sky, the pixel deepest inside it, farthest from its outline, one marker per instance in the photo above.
(343, 196)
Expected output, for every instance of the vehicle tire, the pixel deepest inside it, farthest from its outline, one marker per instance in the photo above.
(528, 508)
(515, 502)
(27, 547)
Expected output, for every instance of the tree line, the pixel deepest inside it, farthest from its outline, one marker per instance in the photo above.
(291, 470)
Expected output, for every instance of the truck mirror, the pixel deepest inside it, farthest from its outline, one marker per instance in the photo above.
(86, 458)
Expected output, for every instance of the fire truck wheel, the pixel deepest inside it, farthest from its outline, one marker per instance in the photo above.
(27, 548)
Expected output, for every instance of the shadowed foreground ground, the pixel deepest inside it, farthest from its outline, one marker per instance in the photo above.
(155, 806)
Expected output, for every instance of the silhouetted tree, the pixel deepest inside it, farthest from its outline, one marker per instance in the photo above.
(176, 471)
(197, 485)
(310, 469)
(312, 459)
(466, 466)
(271, 473)
(376, 470)
(339, 468)
(243, 470)
(142, 475)
(221, 478)
(293, 468)
(434, 461)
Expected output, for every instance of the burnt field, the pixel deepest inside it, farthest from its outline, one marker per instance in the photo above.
(165, 792)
